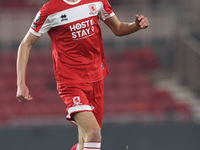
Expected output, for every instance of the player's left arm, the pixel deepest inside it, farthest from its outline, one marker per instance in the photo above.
(123, 28)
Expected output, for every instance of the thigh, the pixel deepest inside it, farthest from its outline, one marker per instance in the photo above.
(86, 121)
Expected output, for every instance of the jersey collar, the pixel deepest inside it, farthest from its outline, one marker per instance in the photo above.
(71, 3)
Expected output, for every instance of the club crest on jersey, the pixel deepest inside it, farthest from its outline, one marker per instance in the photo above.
(77, 100)
(93, 9)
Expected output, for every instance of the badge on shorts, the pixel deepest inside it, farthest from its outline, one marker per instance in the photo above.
(77, 100)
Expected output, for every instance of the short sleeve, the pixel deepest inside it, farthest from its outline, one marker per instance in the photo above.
(41, 24)
(106, 11)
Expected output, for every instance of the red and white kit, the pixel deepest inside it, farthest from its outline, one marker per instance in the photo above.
(78, 53)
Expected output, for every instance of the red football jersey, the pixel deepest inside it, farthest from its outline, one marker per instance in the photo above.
(78, 53)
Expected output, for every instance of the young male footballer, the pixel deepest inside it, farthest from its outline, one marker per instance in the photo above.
(78, 58)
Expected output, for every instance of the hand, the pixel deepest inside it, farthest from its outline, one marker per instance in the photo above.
(23, 94)
(141, 21)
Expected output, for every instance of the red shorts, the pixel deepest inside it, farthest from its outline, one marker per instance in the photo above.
(83, 97)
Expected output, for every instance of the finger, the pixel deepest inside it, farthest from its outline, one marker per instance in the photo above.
(140, 17)
(29, 98)
(21, 98)
(144, 26)
(24, 99)
(136, 18)
(144, 23)
(144, 19)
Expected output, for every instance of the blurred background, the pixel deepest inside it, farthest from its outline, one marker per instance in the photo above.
(151, 94)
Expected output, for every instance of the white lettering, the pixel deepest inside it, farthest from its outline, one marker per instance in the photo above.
(82, 29)
(72, 28)
(88, 30)
(78, 26)
(91, 22)
(78, 32)
(74, 35)
(84, 33)
(83, 25)
(87, 22)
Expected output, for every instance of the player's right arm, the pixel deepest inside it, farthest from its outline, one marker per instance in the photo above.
(40, 25)
(22, 61)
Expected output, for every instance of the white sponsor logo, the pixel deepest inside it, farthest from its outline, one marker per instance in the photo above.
(83, 29)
